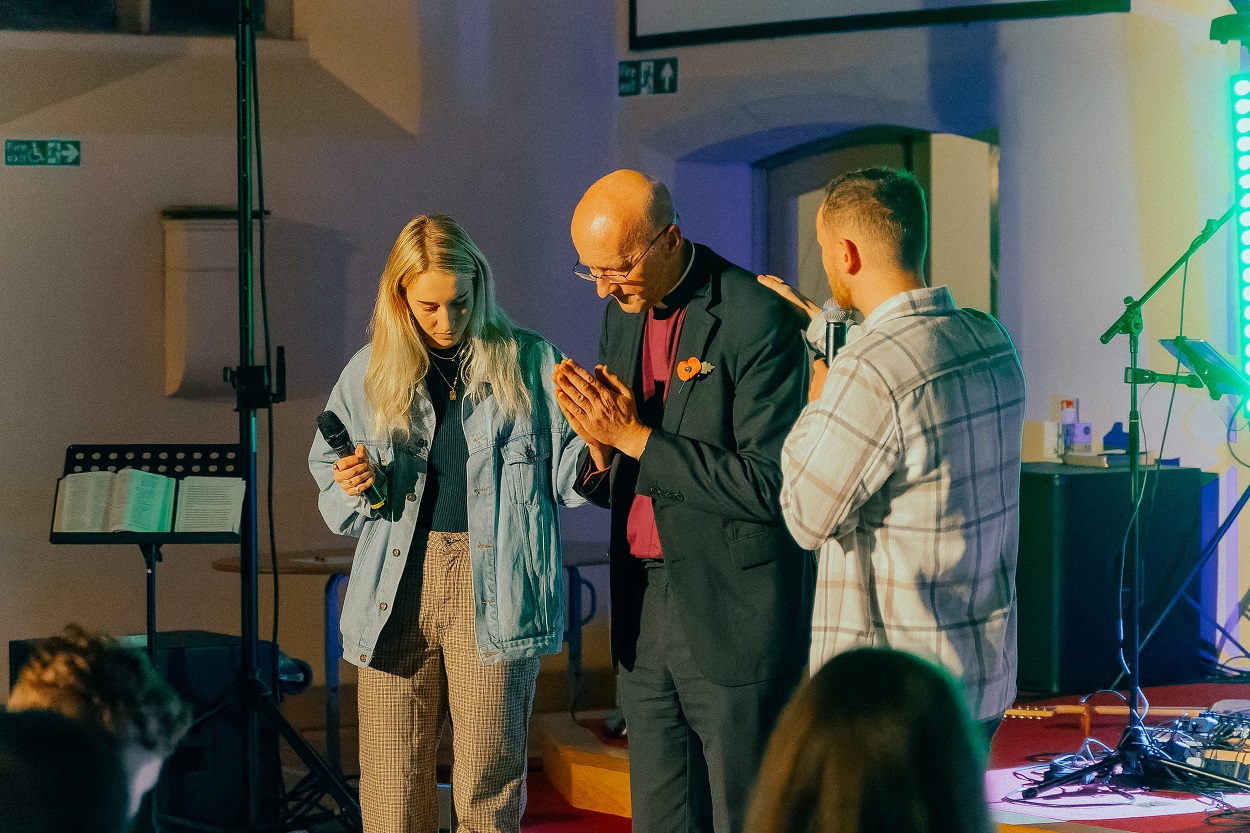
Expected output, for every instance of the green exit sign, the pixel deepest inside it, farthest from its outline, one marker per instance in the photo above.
(656, 76)
(42, 152)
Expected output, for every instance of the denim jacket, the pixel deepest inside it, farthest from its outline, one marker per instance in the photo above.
(517, 471)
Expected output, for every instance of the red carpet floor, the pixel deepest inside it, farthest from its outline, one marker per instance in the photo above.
(1020, 740)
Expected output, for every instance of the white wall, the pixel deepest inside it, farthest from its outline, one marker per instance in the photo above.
(508, 132)
(1113, 155)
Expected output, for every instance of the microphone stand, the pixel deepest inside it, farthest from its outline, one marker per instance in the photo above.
(1137, 756)
(1215, 373)
(252, 388)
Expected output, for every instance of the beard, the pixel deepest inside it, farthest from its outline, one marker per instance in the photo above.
(841, 292)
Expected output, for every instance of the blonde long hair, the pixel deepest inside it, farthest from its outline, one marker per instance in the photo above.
(400, 359)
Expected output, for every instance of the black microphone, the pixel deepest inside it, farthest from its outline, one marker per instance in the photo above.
(835, 329)
(336, 436)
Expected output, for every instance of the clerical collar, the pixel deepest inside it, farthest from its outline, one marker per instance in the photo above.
(675, 298)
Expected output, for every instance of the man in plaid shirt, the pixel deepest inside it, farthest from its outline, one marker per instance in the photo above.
(904, 470)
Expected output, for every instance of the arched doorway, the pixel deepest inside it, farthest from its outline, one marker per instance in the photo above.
(959, 175)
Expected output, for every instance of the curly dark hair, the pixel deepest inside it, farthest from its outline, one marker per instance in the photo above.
(92, 677)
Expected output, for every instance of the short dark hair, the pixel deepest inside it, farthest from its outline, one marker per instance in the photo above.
(878, 741)
(886, 203)
(60, 775)
(91, 677)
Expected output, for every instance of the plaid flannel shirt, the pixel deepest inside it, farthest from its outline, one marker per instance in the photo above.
(905, 474)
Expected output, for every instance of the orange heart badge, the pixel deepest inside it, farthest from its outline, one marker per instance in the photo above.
(692, 368)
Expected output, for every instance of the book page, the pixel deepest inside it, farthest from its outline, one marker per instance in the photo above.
(80, 502)
(210, 504)
(140, 501)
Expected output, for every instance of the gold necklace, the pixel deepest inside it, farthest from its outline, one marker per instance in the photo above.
(451, 383)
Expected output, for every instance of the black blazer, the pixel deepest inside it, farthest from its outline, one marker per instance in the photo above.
(713, 468)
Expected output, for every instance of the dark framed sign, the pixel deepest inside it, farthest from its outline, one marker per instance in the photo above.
(664, 23)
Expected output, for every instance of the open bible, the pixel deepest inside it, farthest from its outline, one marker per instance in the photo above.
(133, 500)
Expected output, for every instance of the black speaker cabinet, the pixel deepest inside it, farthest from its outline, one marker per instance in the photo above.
(204, 781)
(1073, 521)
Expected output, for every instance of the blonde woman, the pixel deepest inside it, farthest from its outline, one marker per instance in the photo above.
(456, 587)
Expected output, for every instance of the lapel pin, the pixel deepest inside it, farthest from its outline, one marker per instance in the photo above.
(692, 368)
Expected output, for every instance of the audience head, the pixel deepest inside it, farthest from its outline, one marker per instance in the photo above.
(873, 231)
(628, 241)
(92, 678)
(60, 775)
(878, 741)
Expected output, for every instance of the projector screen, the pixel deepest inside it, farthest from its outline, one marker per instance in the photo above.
(658, 23)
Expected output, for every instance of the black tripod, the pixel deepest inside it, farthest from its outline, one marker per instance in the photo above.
(1140, 760)
(253, 391)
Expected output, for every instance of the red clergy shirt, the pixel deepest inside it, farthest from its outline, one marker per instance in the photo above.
(659, 353)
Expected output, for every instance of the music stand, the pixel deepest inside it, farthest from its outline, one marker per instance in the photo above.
(1219, 376)
(175, 461)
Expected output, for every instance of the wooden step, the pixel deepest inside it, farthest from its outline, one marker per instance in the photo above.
(587, 769)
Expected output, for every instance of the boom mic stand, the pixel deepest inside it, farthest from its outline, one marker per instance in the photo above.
(1138, 758)
(252, 387)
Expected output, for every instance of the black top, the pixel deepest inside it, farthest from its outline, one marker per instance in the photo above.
(443, 502)
(443, 509)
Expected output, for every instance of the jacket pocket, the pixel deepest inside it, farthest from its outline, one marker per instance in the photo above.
(752, 544)
(359, 602)
(382, 457)
(526, 468)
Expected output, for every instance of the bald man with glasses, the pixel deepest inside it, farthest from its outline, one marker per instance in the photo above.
(702, 373)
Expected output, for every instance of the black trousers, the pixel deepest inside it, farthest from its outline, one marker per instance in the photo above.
(694, 747)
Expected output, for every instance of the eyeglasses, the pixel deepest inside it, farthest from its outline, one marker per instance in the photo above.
(582, 271)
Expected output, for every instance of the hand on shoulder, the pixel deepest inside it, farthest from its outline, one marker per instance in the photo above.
(800, 301)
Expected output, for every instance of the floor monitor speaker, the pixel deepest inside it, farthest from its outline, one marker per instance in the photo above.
(1072, 526)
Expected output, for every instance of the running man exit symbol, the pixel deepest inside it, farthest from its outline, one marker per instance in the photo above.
(58, 152)
(651, 77)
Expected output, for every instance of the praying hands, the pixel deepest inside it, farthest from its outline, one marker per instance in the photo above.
(601, 409)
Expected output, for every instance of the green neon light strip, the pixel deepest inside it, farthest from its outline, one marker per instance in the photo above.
(1240, 119)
